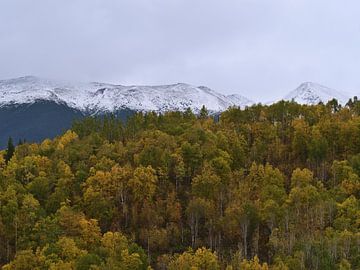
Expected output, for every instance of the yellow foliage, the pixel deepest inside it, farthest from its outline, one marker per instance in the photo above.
(2, 161)
(62, 266)
(46, 145)
(68, 249)
(253, 265)
(67, 138)
(203, 258)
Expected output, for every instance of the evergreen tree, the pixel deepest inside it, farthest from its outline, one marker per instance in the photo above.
(203, 112)
(10, 150)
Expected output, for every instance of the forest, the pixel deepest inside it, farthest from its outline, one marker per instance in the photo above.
(265, 187)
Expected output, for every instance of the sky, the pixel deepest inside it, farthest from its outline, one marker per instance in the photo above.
(261, 49)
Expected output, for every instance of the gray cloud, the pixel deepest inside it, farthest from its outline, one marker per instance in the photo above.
(259, 48)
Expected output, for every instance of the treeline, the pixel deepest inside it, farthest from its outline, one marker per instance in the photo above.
(266, 187)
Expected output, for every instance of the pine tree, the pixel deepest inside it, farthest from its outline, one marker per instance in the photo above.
(10, 150)
(204, 112)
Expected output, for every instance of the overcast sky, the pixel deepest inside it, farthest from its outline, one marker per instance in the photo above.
(258, 48)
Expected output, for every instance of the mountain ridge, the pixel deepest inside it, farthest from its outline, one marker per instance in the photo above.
(32, 108)
(98, 97)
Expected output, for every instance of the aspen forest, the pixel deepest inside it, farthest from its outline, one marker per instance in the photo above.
(263, 187)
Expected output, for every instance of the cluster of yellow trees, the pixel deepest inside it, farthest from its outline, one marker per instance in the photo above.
(266, 187)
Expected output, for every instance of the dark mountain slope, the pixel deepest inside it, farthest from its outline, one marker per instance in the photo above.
(38, 121)
(35, 122)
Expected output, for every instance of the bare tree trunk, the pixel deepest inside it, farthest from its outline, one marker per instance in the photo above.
(245, 232)
(16, 234)
(148, 248)
(192, 228)
(196, 230)
(7, 250)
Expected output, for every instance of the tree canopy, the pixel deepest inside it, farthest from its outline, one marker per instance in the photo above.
(265, 187)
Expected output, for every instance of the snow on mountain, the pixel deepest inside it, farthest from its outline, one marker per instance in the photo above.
(313, 93)
(240, 101)
(101, 97)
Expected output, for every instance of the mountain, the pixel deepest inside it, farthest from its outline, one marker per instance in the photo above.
(313, 93)
(36, 121)
(95, 98)
(40, 120)
(239, 100)
(33, 108)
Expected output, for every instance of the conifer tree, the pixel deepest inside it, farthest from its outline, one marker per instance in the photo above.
(204, 112)
(10, 150)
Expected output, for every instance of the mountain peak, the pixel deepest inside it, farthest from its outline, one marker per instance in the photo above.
(313, 93)
(309, 84)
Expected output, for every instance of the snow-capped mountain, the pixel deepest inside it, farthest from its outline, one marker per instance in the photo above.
(32, 108)
(239, 100)
(102, 97)
(313, 93)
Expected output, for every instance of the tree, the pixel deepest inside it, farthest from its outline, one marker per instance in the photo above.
(253, 265)
(318, 148)
(143, 183)
(207, 184)
(203, 112)
(67, 138)
(301, 140)
(203, 258)
(9, 204)
(88, 261)
(334, 105)
(192, 157)
(26, 260)
(195, 211)
(241, 217)
(118, 254)
(10, 150)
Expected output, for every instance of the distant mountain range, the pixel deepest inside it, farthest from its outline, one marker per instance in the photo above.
(34, 108)
(95, 98)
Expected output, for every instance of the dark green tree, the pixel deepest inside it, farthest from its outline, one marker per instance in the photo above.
(10, 150)
(204, 112)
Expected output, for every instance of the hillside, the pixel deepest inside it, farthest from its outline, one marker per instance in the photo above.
(267, 187)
